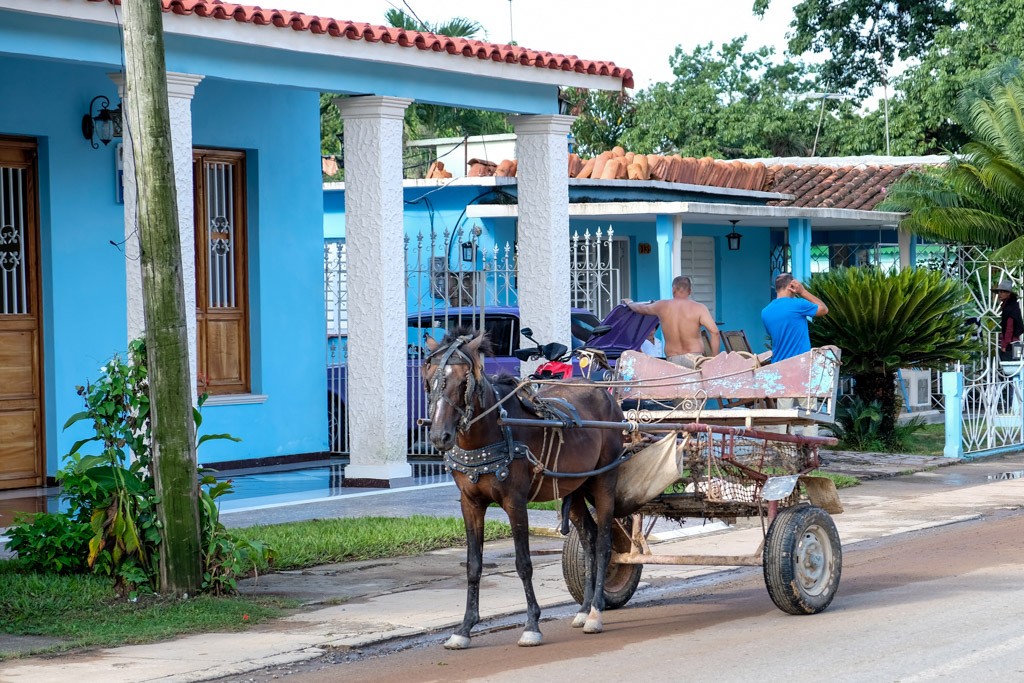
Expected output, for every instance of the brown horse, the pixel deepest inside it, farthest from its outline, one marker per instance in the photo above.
(513, 466)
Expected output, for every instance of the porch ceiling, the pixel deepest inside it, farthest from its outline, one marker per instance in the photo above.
(710, 214)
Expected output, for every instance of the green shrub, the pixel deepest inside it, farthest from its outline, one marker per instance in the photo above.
(111, 526)
(50, 542)
(858, 426)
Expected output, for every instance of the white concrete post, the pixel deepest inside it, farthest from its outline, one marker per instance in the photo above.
(181, 88)
(543, 231)
(377, 355)
(952, 404)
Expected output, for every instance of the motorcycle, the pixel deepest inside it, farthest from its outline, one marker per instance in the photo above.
(592, 363)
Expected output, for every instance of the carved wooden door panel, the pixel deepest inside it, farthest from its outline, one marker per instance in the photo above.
(22, 461)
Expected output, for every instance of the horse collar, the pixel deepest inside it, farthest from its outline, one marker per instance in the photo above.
(494, 458)
(491, 459)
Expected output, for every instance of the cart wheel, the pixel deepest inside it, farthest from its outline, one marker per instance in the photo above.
(802, 560)
(620, 580)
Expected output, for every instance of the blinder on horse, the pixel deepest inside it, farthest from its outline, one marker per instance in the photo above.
(452, 354)
(494, 458)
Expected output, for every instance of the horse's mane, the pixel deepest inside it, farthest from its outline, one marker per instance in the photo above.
(486, 349)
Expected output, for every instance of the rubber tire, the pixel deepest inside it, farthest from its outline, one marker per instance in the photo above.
(620, 580)
(799, 533)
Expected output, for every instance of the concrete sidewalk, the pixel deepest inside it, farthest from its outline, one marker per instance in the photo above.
(374, 601)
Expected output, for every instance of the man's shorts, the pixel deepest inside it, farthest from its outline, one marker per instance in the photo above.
(686, 360)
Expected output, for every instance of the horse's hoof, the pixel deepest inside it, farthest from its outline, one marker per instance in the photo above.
(530, 639)
(457, 642)
(579, 620)
(594, 623)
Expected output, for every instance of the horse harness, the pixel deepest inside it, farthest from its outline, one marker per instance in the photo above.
(496, 458)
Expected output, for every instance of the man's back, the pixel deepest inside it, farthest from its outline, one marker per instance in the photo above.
(681, 320)
(785, 319)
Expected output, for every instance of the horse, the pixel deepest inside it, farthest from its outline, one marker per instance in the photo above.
(512, 466)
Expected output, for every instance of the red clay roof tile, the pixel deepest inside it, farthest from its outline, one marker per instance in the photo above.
(297, 21)
(844, 187)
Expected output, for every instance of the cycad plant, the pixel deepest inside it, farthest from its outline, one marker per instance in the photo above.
(887, 321)
(978, 196)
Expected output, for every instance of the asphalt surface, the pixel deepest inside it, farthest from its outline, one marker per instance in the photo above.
(364, 604)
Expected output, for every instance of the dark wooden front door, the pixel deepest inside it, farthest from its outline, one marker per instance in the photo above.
(22, 461)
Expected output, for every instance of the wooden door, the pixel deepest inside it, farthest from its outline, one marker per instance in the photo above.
(222, 319)
(22, 461)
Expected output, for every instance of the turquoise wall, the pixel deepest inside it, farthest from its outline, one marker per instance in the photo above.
(83, 273)
(83, 281)
(280, 131)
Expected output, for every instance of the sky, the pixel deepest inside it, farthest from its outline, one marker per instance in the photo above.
(636, 34)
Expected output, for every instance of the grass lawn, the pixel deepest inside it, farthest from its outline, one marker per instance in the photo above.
(929, 440)
(322, 541)
(842, 481)
(83, 611)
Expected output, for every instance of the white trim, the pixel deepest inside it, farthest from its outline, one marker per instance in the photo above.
(703, 212)
(285, 38)
(234, 399)
(372, 107)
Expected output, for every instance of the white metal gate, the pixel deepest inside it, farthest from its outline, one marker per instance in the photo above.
(991, 412)
(453, 270)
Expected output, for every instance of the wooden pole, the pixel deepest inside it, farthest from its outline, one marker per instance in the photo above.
(163, 293)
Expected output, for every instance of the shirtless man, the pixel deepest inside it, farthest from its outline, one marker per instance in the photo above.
(681, 319)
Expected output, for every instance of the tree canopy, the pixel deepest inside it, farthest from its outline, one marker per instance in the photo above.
(978, 196)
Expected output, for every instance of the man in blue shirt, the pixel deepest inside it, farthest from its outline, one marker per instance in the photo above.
(785, 318)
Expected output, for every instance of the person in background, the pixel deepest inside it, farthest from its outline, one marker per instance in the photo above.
(652, 346)
(1010, 324)
(786, 317)
(681, 319)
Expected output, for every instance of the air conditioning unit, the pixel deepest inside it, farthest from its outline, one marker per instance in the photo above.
(454, 287)
(918, 385)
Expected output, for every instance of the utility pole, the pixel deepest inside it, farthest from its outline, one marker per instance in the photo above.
(163, 293)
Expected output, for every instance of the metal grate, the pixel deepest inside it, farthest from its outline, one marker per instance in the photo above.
(14, 294)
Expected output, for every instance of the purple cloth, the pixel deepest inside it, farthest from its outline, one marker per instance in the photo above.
(629, 330)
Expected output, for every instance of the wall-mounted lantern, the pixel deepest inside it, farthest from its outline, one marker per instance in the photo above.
(104, 125)
(734, 237)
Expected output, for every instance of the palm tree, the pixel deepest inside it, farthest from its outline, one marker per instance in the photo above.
(459, 27)
(978, 196)
(887, 321)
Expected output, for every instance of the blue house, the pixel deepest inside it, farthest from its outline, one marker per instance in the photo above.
(243, 89)
(805, 216)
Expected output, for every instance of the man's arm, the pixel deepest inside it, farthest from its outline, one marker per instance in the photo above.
(798, 288)
(642, 309)
(716, 337)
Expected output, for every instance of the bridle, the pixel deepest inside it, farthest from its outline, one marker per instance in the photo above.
(452, 354)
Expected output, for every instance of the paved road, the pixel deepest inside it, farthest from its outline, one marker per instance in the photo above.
(939, 604)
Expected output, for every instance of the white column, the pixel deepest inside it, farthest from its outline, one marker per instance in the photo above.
(906, 246)
(543, 230)
(677, 249)
(377, 357)
(181, 88)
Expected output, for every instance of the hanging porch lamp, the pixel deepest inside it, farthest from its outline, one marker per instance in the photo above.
(734, 237)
